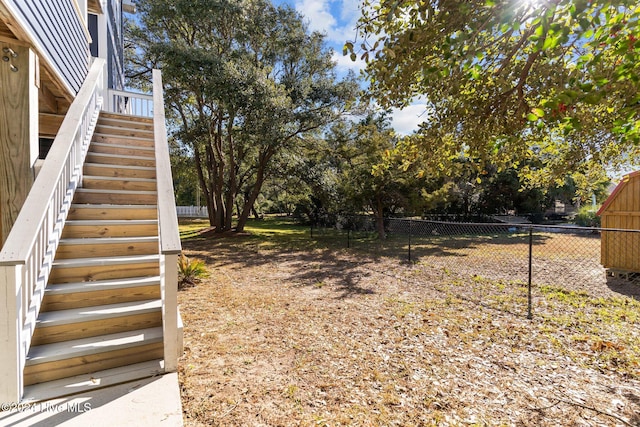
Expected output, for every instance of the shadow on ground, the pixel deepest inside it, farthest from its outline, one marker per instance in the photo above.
(313, 262)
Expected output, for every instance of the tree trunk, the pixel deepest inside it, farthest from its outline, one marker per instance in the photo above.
(217, 168)
(233, 186)
(237, 205)
(255, 192)
(246, 210)
(378, 211)
(256, 215)
(206, 191)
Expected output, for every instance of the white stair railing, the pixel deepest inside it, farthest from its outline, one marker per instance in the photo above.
(131, 103)
(27, 255)
(169, 235)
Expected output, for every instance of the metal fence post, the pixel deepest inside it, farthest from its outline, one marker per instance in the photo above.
(409, 240)
(348, 238)
(529, 308)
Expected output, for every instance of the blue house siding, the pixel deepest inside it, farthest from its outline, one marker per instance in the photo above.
(115, 44)
(58, 30)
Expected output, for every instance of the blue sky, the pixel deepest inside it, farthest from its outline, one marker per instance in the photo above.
(337, 20)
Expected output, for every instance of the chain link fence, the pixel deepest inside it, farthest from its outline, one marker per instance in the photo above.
(563, 256)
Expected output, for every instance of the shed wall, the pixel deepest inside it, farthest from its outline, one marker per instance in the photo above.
(621, 250)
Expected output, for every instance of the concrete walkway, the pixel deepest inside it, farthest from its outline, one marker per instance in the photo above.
(146, 402)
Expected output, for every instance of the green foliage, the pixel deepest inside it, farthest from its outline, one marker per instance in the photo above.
(604, 328)
(190, 271)
(503, 191)
(353, 171)
(510, 81)
(185, 179)
(586, 217)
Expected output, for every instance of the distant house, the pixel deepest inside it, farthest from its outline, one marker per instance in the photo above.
(621, 249)
(560, 209)
(88, 228)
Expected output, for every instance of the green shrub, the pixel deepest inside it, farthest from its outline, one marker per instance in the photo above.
(586, 217)
(190, 271)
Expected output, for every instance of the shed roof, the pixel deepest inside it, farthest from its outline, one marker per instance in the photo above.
(623, 183)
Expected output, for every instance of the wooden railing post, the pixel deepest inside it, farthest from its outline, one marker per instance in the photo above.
(11, 356)
(168, 233)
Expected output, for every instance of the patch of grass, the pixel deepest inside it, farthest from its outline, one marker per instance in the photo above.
(269, 233)
(268, 227)
(602, 329)
(573, 298)
(404, 309)
(271, 226)
(190, 227)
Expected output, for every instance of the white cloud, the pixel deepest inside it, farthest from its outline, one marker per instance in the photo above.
(350, 10)
(318, 14)
(335, 18)
(344, 63)
(406, 121)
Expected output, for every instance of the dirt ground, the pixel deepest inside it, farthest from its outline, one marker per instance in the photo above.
(306, 334)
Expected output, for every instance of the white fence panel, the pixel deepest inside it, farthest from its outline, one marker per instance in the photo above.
(192, 211)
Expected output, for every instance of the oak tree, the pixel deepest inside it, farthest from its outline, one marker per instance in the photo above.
(244, 80)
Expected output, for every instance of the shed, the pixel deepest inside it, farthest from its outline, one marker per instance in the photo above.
(620, 250)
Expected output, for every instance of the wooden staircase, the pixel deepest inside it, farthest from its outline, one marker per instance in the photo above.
(102, 306)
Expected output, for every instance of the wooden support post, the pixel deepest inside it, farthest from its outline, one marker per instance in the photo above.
(169, 275)
(11, 356)
(18, 130)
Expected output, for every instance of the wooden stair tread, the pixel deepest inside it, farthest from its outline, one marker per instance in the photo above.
(105, 135)
(121, 156)
(101, 285)
(86, 314)
(103, 222)
(125, 117)
(124, 122)
(93, 381)
(93, 228)
(102, 211)
(109, 191)
(81, 347)
(87, 246)
(117, 178)
(127, 147)
(110, 206)
(107, 128)
(116, 260)
(107, 240)
(132, 167)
